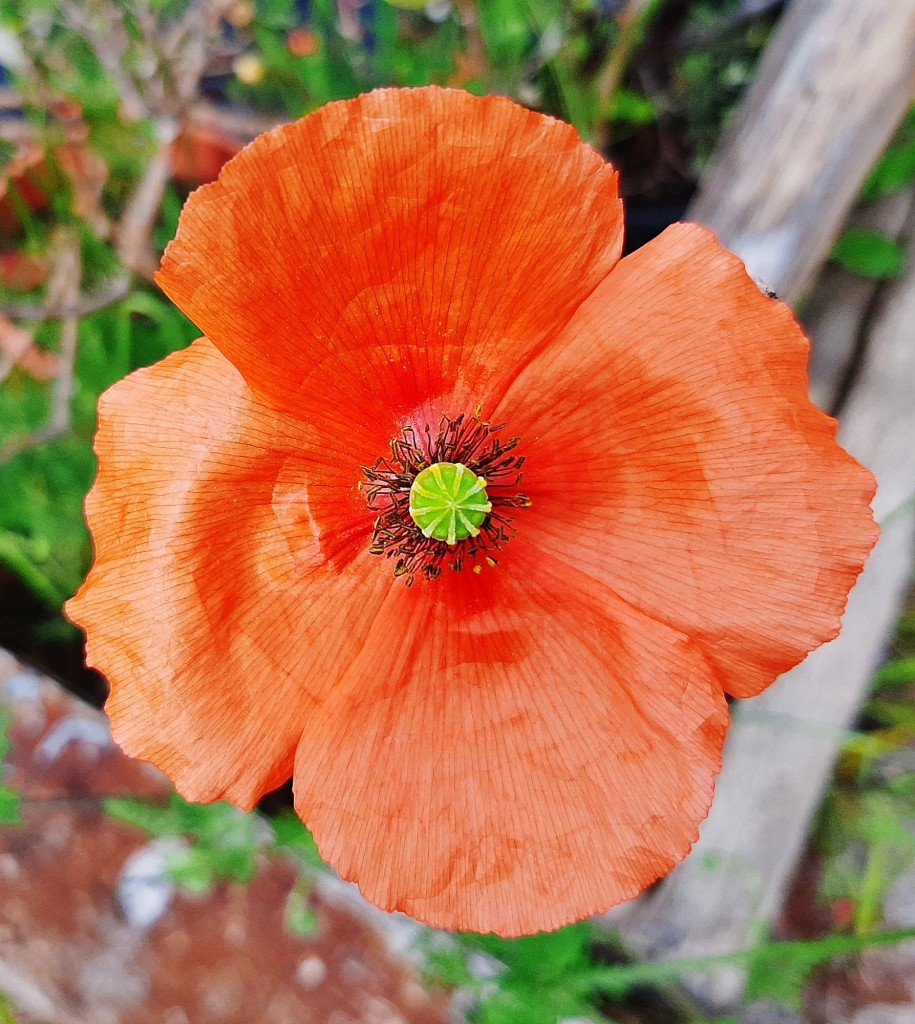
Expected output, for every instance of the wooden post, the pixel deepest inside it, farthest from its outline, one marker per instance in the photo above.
(783, 745)
(832, 86)
(835, 81)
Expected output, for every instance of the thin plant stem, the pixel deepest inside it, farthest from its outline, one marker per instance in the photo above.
(107, 295)
(633, 22)
(63, 291)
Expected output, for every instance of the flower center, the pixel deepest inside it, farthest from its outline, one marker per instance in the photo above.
(449, 502)
(445, 500)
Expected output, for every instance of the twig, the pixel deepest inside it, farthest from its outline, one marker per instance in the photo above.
(708, 35)
(110, 293)
(62, 396)
(243, 124)
(180, 51)
(187, 53)
(135, 227)
(31, 997)
(102, 26)
(633, 20)
(157, 64)
(63, 291)
(17, 343)
(89, 800)
(475, 44)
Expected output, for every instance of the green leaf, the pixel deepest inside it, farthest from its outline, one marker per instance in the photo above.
(896, 673)
(894, 171)
(10, 804)
(189, 870)
(6, 1016)
(291, 836)
(775, 968)
(278, 14)
(540, 978)
(632, 108)
(507, 36)
(224, 841)
(869, 254)
(5, 718)
(299, 917)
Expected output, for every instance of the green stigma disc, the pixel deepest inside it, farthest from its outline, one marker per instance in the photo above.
(448, 502)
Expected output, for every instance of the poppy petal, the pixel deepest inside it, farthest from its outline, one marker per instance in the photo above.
(214, 606)
(388, 250)
(673, 454)
(523, 750)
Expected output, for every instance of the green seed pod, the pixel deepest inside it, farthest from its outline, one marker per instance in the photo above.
(448, 502)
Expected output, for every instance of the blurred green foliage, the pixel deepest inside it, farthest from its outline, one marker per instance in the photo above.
(715, 69)
(866, 827)
(6, 1015)
(553, 976)
(895, 170)
(10, 803)
(223, 842)
(542, 52)
(218, 841)
(43, 538)
(870, 253)
(539, 979)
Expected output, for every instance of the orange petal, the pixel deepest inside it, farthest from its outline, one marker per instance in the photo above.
(227, 596)
(511, 751)
(673, 455)
(391, 249)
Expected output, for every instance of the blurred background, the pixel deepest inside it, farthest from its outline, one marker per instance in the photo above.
(784, 126)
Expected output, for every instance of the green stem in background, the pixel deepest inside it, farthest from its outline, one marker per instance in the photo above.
(63, 290)
(475, 45)
(873, 886)
(5, 1016)
(16, 554)
(618, 979)
(634, 21)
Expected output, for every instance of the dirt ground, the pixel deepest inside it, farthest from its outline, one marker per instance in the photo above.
(90, 934)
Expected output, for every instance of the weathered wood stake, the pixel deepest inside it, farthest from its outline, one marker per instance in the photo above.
(833, 84)
(835, 81)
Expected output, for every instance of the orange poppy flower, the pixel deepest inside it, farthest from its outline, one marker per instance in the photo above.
(530, 732)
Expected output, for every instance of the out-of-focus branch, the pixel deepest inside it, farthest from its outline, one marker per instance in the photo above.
(63, 291)
(107, 295)
(633, 20)
(475, 50)
(14, 343)
(156, 66)
(241, 124)
(176, 53)
(187, 52)
(101, 24)
(134, 230)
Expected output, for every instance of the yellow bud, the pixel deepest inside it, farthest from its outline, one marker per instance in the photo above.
(249, 68)
(240, 14)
